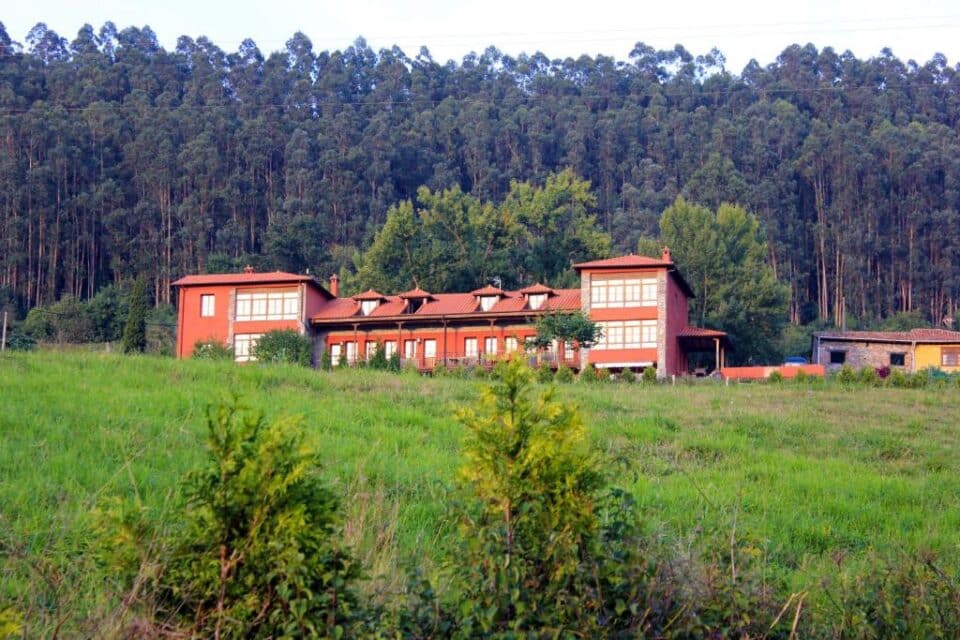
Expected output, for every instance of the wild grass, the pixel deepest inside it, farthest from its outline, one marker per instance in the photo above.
(811, 479)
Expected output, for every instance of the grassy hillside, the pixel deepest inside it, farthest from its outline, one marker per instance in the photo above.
(804, 476)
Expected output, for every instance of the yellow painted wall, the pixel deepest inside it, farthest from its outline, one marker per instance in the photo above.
(928, 355)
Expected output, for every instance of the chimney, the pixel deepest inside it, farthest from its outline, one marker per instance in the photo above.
(335, 286)
(666, 255)
(248, 269)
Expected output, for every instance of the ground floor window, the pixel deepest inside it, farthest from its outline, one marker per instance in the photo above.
(950, 357)
(510, 345)
(244, 345)
(470, 347)
(429, 348)
(490, 346)
(838, 357)
(389, 348)
(335, 351)
(898, 359)
(409, 349)
(351, 351)
(371, 349)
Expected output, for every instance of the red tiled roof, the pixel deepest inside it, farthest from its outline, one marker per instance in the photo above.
(447, 304)
(623, 261)
(700, 332)
(914, 335)
(370, 294)
(415, 293)
(537, 288)
(488, 290)
(273, 277)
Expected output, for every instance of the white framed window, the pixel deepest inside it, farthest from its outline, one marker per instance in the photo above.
(510, 345)
(409, 349)
(623, 292)
(470, 347)
(430, 348)
(367, 306)
(243, 346)
(536, 300)
(490, 345)
(628, 334)
(370, 349)
(335, 351)
(389, 348)
(350, 348)
(207, 305)
(268, 305)
(488, 302)
(568, 350)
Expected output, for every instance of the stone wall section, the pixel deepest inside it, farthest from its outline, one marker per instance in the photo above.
(864, 354)
(662, 323)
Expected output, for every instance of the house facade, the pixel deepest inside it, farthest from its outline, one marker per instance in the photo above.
(639, 303)
(911, 351)
(235, 309)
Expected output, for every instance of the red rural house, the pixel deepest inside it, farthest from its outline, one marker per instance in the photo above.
(640, 304)
(237, 308)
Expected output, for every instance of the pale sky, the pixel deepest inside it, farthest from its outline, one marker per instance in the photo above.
(449, 29)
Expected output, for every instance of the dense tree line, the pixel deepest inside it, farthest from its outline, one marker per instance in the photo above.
(119, 158)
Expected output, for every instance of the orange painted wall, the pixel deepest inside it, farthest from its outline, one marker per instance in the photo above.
(192, 328)
(762, 373)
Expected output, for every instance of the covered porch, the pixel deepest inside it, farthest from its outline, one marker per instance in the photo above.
(710, 342)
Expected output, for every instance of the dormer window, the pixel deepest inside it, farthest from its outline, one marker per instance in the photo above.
(537, 295)
(369, 300)
(415, 299)
(487, 297)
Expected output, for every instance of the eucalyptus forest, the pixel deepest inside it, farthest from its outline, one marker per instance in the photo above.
(121, 159)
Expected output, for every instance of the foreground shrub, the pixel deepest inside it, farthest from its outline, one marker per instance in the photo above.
(564, 374)
(547, 550)
(846, 375)
(649, 374)
(544, 374)
(775, 377)
(286, 345)
(627, 375)
(257, 553)
(212, 349)
(869, 376)
(135, 330)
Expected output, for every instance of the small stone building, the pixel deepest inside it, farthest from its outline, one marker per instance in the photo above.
(909, 350)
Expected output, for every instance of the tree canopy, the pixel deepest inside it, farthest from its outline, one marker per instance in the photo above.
(120, 158)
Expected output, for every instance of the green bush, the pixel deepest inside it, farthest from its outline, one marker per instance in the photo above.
(602, 374)
(898, 378)
(869, 376)
(627, 375)
(649, 374)
(393, 362)
(284, 345)
(212, 349)
(802, 377)
(257, 555)
(19, 340)
(775, 377)
(544, 374)
(588, 373)
(326, 360)
(564, 374)
(379, 359)
(846, 375)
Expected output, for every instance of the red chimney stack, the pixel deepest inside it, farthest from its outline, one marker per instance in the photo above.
(248, 269)
(666, 255)
(335, 286)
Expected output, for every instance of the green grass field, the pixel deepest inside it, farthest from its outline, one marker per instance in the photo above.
(805, 476)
